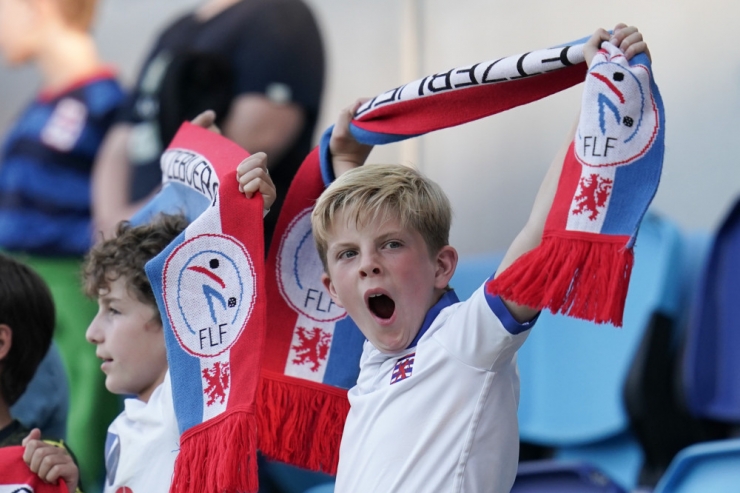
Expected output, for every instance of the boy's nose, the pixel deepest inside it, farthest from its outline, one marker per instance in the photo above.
(369, 266)
(93, 334)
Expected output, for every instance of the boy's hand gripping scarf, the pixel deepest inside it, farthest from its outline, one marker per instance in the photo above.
(16, 477)
(610, 175)
(208, 286)
(312, 349)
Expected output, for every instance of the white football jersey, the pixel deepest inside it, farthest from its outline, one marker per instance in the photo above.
(440, 416)
(142, 444)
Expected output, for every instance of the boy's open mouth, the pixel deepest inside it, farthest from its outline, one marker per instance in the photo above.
(381, 306)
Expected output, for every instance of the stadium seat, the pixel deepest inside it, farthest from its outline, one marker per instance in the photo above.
(711, 364)
(572, 371)
(277, 477)
(562, 477)
(658, 414)
(323, 488)
(709, 467)
(472, 271)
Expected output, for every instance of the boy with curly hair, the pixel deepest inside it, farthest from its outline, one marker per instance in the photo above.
(143, 441)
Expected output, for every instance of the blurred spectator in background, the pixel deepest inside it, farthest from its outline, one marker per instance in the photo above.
(258, 63)
(45, 169)
(49, 413)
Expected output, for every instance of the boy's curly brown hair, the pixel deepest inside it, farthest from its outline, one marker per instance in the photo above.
(126, 254)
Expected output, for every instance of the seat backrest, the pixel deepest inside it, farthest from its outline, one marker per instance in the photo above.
(562, 477)
(705, 467)
(658, 416)
(572, 371)
(472, 271)
(711, 366)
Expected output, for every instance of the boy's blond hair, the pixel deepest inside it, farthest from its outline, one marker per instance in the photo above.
(78, 13)
(379, 191)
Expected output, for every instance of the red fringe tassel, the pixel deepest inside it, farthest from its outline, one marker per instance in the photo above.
(219, 456)
(301, 422)
(580, 277)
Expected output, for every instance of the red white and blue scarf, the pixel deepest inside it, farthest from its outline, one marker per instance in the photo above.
(610, 175)
(16, 477)
(209, 288)
(312, 350)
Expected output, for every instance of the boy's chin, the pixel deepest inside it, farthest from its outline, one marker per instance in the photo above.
(15, 60)
(390, 347)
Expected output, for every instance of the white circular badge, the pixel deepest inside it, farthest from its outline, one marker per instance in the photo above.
(619, 123)
(209, 292)
(299, 271)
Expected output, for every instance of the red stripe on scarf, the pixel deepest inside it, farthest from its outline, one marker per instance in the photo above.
(300, 421)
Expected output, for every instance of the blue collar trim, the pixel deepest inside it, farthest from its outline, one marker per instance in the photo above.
(447, 299)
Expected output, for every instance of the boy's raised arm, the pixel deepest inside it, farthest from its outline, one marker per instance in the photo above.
(346, 152)
(630, 41)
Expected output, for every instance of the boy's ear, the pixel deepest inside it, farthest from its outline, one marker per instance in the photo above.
(446, 263)
(154, 324)
(330, 287)
(6, 340)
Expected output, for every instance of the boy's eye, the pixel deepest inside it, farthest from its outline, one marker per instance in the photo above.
(113, 311)
(394, 244)
(346, 254)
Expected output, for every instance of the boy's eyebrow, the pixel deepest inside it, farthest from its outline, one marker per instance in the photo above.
(340, 246)
(350, 244)
(108, 297)
(390, 234)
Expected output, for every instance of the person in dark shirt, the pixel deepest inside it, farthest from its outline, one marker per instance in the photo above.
(272, 54)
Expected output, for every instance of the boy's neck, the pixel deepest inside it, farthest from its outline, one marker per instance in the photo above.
(147, 393)
(66, 57)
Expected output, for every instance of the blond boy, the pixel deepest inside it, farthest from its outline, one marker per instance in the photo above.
(434, 408)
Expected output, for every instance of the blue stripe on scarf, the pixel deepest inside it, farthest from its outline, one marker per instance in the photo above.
(186, 383)
(620, 218)
(175, 198)
(184, 368)
(376, 138)
(343, 367)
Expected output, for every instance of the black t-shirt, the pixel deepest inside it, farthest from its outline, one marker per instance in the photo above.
(272, 46)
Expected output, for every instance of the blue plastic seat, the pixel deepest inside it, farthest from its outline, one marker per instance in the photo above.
(286, 478)
(709, 467)
(562, 477)
(323, 488)
(711, 363)
(572, 371)
(472, 271)
(659, 419)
